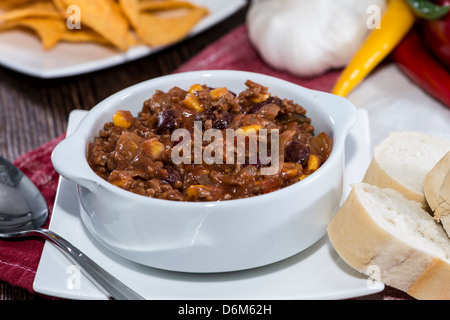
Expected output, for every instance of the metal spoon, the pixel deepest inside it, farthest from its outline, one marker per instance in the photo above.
(23, 210)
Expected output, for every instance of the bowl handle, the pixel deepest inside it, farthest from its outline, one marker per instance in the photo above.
(342, 110)
(69, 161)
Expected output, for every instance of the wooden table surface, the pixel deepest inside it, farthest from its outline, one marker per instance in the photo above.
(35, 111)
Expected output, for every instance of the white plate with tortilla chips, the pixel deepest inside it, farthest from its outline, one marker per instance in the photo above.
(40, 38)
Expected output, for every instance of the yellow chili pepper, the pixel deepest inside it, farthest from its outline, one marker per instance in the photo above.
(396, 22)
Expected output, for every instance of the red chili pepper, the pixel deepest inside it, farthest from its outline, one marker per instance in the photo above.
(413, 57)
(437, 35)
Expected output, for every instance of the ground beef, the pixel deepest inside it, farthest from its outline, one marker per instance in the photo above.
(136, 152)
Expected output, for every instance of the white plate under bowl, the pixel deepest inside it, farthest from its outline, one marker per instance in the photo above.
(23, 52)
(316, 273)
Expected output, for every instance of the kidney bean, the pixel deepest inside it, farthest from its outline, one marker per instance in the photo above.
(223, 121)
(297, 152)
(166, 122)
(256, 107)
(173, 176)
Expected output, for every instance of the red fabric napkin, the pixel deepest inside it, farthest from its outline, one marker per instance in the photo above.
(19, 259)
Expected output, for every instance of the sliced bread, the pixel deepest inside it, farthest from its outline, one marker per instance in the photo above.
(402, 161)
(437, 191)
(380, 228)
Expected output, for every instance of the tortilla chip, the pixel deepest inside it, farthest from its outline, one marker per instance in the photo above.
(131, 11)
(84, 36)
(120, 23)
(10, 4)
(38, 9)
(156, 29)
(152, 5)
(60, 6)
(50, 31)
(104, 17)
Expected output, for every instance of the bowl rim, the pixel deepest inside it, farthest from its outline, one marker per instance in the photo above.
(75, 138)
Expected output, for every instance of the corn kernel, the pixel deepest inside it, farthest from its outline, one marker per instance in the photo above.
(121, 179)
(313, 163)
(195, 88)
(291, 170)
(118, 182)
(218, 93)
(303, 176)
(122, 119)
(261, 98)
(192, 102)
(251, 129)
(192, 191)
(153, 148)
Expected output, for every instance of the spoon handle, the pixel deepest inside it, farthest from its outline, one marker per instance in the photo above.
(109, 285)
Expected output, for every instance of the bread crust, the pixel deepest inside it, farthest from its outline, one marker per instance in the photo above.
(377, 176)
(434, 282)
(354, 235)
(434, 185)
(362, 242)
(436, 188)
(379, 173)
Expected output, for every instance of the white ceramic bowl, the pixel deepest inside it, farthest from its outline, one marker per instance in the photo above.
(210, 236)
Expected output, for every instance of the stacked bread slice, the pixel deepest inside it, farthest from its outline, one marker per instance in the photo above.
(403, 160)
(437, 191)
(386, 223)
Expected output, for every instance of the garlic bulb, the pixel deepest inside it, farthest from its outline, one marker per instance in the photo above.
(309, 37)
